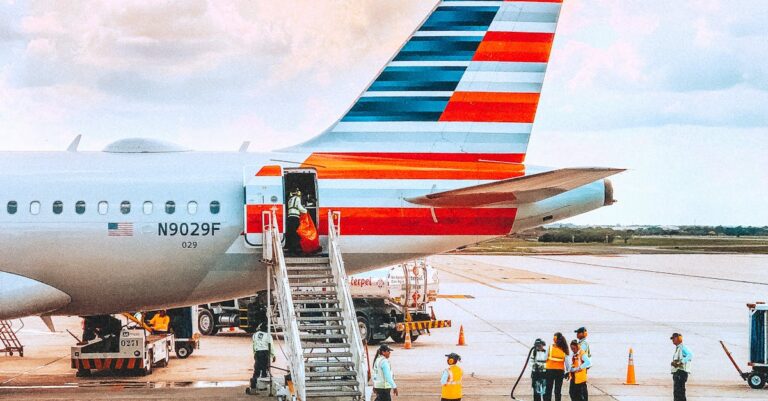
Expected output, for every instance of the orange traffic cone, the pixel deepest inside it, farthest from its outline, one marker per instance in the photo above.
(631, 369)
(461, 336)
(408, 344)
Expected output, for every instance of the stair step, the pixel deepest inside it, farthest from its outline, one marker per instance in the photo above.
(301, 268)
(308, 276)
(327, 355)
(315, 301)
(307, 310)
(326, 345)
(321, 336)
(340, 373)
(329, 383)
(313, 285)
(333, 364)
(307, 260)
(332, 393)
(313, 293)
(319, 318)
(306, 327)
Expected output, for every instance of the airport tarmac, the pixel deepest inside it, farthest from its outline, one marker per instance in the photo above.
(504, 304)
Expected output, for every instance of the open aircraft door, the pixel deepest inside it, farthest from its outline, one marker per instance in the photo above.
(263, 194)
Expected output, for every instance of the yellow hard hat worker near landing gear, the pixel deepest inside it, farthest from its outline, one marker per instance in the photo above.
(451, 379)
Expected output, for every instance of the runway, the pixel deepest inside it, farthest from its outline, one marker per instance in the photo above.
(625, 301)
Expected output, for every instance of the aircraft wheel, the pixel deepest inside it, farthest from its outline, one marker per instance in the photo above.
(206, 323)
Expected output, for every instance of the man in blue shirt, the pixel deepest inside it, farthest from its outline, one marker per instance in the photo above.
(681, 366)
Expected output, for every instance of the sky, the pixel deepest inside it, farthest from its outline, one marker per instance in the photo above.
(674, 91)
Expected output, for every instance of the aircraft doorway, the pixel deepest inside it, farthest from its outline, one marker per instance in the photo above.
(306, 181)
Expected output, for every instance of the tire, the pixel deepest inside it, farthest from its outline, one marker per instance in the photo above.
(184, 351)
(165, 361)
(82, 372)
(365, 331)
(147, 370)
(206, 323)
(756, 380)
(399, 337)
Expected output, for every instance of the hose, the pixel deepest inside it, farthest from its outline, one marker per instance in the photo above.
(527, 358)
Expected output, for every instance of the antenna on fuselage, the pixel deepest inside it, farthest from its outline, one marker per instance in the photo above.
(244, 146)
(75, 143)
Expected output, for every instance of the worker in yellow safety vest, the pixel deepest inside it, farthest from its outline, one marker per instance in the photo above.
(451, 379)
(159, 323)
(578, 373)
(555, 365)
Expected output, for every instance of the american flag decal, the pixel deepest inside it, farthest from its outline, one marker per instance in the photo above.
(120, 229)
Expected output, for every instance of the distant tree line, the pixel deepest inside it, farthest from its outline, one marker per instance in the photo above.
(608, 235)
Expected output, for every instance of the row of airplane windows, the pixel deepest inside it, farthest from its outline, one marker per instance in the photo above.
(103, 207)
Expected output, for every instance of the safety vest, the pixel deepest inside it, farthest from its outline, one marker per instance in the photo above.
(452, 388)
(678, 357)
(262, 342)
(294, 206)
(556, 358)
(160, 323)
(576, 361)
(379, 381)
(584, 345)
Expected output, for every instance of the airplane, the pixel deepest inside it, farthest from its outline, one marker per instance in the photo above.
(430, 157)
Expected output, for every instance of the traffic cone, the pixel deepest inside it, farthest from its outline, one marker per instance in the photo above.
(408, 344)
(461, 336)
(631, 369)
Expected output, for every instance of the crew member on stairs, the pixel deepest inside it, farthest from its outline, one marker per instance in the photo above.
(295, 210)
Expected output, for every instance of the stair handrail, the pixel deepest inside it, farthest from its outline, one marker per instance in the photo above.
(290, 325)
(345, 303)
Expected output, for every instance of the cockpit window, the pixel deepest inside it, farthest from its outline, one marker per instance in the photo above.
(58, 206)
(12, 207)
(170, 207)
(215, 207)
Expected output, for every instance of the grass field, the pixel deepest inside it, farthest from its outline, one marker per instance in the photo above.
(648, 244)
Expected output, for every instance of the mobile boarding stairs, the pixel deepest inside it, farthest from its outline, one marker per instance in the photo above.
(315, 313)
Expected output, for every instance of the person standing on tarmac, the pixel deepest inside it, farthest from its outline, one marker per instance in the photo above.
(538, 369)
(579, 365)
(556, 359)
(681, 366)
(451, 379)
(262, 351)
(581, 334)
(383, 379)
(295, 210)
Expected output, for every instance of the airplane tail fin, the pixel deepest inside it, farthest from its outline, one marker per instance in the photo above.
(464, 87)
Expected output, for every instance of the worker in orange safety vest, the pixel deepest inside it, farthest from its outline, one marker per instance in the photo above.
(556, 359)
(578, 373)
(451, 379)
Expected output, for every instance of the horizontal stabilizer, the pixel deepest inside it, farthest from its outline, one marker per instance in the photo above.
(526, 189)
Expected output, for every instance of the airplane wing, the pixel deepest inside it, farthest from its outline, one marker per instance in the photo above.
(526, 189)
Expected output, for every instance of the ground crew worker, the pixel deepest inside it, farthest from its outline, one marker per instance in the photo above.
(539, 369)
(579, 364)
(160, 322)
(451, 379)
(581, 335)
(556, 360)
(681, 366)
(262, 351)
(295, 210)
(383, 379)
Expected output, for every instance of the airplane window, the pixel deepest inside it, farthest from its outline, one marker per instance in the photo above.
(34, 207)
(192, 207)
(12, 207)
(80, 207)
(103, 207)
(215, 207)
(147, 207)
(125, 207)
(170, 207)
(58, 206)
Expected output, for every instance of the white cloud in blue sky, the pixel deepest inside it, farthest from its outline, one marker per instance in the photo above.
(677, 91)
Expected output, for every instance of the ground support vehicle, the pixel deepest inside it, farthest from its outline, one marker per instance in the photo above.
(134, 349)
(243, 313)
(758, 347)
(184, 328)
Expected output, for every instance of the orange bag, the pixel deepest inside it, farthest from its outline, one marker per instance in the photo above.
(309, 240)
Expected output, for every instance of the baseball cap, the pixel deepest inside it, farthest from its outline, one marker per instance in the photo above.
(580, 330)
(454, 355)
(675, 335)
(384, 348)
